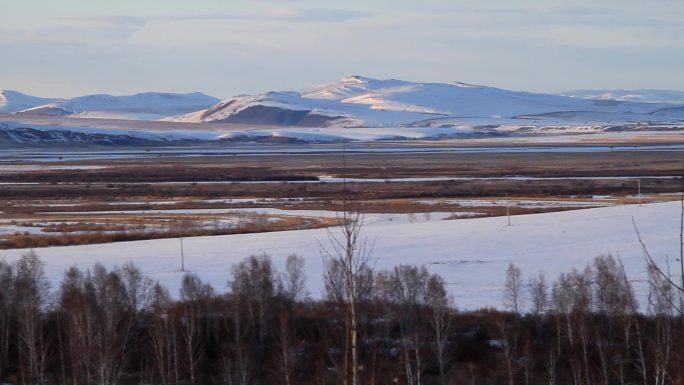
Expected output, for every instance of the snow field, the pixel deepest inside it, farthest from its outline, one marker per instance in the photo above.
(471, 254)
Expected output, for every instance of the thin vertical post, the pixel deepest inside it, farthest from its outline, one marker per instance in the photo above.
(181, 249)
(508, 210)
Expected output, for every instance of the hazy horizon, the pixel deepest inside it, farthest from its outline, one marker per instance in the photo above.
(224, 48)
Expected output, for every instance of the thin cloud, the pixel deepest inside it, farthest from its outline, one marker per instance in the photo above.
(117, 27)
(113, 20)
(69, 33)
(277, 13)
(331, 15)
(80, 28)
(582, 14)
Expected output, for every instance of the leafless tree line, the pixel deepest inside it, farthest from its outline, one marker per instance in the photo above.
(117, 326)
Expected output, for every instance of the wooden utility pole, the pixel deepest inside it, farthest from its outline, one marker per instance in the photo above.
(639, 190)
(181, 248)
(508, 210)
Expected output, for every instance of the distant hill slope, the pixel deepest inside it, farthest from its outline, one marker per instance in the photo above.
(358, 101)
(144, 106)
(13, 101)
(643, 96)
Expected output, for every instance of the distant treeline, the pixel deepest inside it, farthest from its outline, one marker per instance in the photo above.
(111, 327)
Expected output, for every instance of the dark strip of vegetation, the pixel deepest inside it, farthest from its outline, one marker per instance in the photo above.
(26, 240)
(364, 191)
(117, 326)
(154, 174)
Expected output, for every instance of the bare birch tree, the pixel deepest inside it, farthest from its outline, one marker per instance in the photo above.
(440, 321)
(194, 294)
(509, 344)
(349, 251)
(664, 272)
(539, 294)
(513, 289)
(6, 312)
(31, 290)
(253, 284)
(293, 280)
(406, 288)
(163, 339)
(77, 302)
(116, 316)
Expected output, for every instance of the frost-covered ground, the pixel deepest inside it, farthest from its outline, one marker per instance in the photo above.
(23, 134)
(471, 254)
(555, 203)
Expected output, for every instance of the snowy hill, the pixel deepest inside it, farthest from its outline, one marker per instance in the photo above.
(643, 96)
(358, 101)
(12, 101)
(144, 106)
(46, 109)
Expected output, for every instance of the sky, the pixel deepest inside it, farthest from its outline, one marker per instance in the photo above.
(228, 47)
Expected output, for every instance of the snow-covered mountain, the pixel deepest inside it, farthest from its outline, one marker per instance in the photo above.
(643, 96)
(358, 101)
(376, 109)
(13, 101)
(143, 106)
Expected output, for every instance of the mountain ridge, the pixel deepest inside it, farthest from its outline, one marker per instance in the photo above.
(144, 105)
(359, 101)
(636, 95)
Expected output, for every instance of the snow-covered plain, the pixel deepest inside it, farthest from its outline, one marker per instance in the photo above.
(19, 134)
(471, 254)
